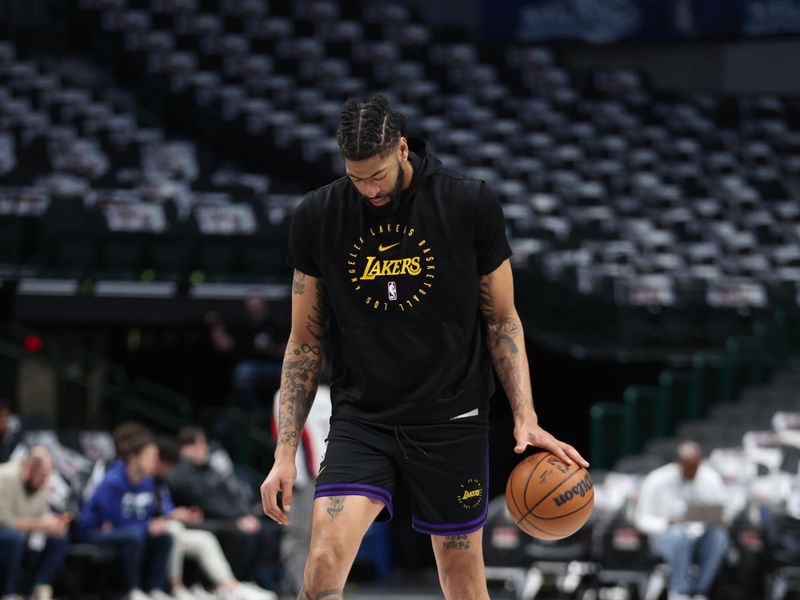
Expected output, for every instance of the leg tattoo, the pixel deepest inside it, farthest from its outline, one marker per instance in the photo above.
(456, 542)
(336, 507)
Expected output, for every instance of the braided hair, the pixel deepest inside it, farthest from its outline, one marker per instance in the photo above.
(368, 129)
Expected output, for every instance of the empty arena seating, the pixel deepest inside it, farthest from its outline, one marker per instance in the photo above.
(643, 206)
(87, 191)
(657, 202)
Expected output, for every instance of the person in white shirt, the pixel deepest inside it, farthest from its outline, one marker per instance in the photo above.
(27, 524)
(664, 497)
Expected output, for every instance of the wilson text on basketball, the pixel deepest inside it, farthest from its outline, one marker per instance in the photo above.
(580, 489)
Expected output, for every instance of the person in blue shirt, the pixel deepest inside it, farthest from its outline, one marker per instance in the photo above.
(123, 513)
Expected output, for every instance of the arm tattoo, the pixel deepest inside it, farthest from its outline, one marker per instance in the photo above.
(319, 314)
(456, 542)
(505, 331)
(331, 594)
(299, 379)
(299, 283)
(505, 340)
(301, 366)
(336, 507)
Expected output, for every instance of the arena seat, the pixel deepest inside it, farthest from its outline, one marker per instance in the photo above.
(624, 559)
(524, 565)
(94, 158)
(701, 168)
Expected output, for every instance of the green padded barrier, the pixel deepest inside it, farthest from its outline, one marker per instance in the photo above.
(605, 434)
(676, 385)
(773, 338)
(746, 363)
(706, 382)
(646, 416)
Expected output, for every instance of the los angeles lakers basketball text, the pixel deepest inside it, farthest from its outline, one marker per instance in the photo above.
(373, 260)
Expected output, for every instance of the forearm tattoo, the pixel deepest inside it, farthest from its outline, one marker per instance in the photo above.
(505, 340)
(456, 542)
(336, 506)
(301, 366)
(331, 594)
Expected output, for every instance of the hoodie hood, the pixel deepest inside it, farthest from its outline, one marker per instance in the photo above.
(424, 166)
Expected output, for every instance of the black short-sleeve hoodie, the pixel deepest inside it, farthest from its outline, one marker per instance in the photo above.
(407, 341)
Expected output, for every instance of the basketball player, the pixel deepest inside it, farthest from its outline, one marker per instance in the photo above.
(408, 264)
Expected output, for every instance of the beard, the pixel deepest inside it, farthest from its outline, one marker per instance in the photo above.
(394, 195)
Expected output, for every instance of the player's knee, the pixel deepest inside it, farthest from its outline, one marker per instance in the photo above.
(463, 584)
(463, 576)
(325, 565)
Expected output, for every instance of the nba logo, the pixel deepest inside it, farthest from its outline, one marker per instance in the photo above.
(392, 290)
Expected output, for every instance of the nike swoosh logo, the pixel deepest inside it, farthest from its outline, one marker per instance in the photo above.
(383, 248)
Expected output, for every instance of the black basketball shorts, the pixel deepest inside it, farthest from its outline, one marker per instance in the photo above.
(445, 465)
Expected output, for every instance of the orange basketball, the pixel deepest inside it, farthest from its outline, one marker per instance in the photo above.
(548, 499)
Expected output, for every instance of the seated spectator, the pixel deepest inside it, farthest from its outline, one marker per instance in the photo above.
(10, 434)
(198, 544)
(661, 513)
(255, 344)
(26, 522)
(122, 513)
(250, 543)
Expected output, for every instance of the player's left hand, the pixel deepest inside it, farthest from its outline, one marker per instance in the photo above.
(531, 434)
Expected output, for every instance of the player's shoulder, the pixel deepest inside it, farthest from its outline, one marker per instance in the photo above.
(458, 187)
(317, 204)
(323, 196)
(448, 176)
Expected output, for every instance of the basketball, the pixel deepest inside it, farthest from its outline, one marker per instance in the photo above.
(548, 499)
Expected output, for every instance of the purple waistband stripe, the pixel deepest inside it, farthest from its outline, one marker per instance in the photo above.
(386, 503)
(462, 531)
(356, 486)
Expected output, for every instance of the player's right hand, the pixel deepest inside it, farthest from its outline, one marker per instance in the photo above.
(280, 479)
